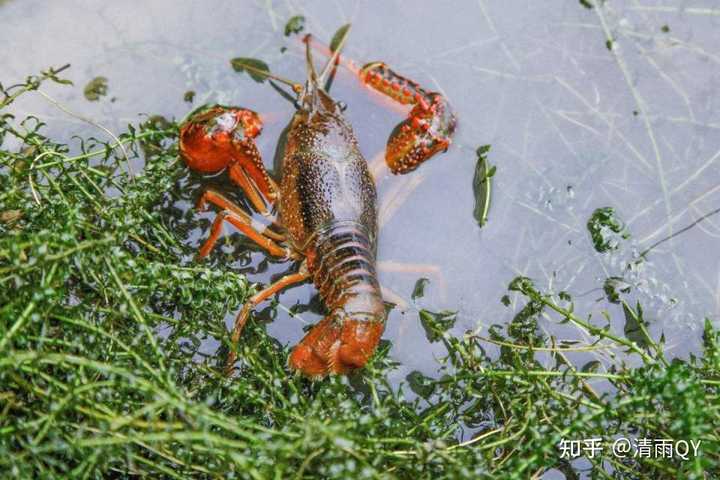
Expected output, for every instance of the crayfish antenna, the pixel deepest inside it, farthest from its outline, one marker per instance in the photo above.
(315, 80)
(334, 58)
(311, 85)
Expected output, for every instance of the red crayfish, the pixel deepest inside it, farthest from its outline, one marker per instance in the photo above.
(322, 209)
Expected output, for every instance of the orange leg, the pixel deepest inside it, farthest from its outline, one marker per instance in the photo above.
(259, 297)
(221, 201)
(241, 224)
(259, 201)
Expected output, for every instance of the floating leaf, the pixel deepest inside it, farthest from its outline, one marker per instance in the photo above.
(482, 185)
(96, 88)
(605, 228)
(339, 36)
(189, 96)
(419, 289)
(257, 69)
(435, 324)
(589, 4)
(295, 25)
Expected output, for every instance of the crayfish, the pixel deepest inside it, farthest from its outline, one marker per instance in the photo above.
(322, 209)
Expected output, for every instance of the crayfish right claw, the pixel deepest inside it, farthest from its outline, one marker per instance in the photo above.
(427, 131)
(429, 126)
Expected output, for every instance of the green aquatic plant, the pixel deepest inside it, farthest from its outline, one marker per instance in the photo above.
(96, 88)
(482, 185)
(606, 229)
(257, 69)
(105, 371)
(296, 24)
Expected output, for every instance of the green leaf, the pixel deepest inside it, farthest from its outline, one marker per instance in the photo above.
(52, 74)
(522, 284)
(295, 25)
(613, 286)
(435, 324)
(591, 366)
(96, 88)
(422, 385)
(482, 185)
(634, 324)
(419, 289)
(606, 229)
(257, 69)
(482, 150)
(339, 36)
(61, 81)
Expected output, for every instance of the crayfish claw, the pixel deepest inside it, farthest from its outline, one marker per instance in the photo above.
(427, 131)
(211, 137)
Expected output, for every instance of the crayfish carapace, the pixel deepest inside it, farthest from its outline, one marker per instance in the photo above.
(323, 209)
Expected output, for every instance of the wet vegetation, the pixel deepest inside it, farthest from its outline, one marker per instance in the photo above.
(606, 230)
(103, 312)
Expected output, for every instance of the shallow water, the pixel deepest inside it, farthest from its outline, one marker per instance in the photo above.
(573, 126)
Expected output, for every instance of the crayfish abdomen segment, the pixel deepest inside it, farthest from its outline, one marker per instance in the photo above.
(344, 273)
(345, 266)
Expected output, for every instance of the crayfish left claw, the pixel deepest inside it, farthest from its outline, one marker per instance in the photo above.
(217, 137)
(211, 137)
